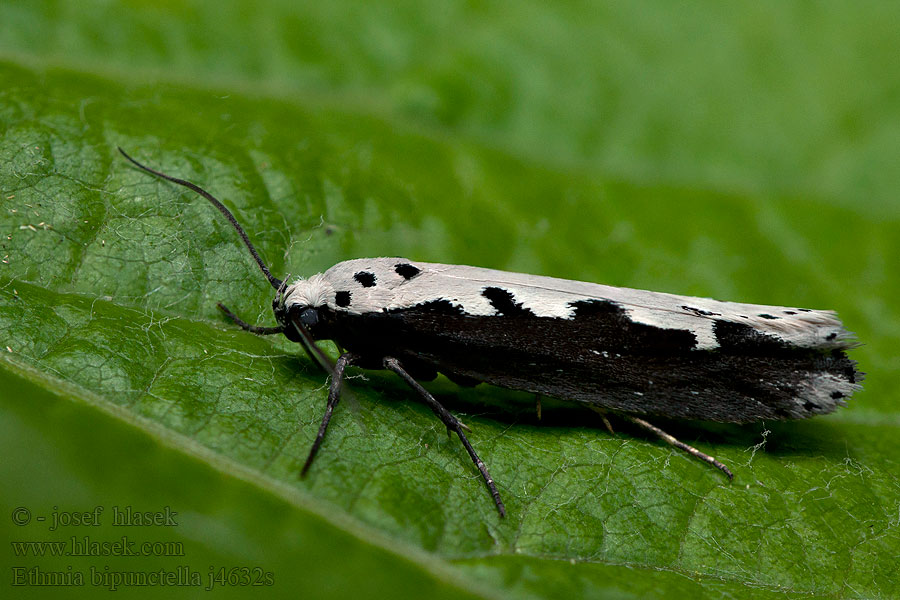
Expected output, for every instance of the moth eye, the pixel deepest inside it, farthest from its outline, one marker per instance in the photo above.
(342, 299)
(365, 278)
(309, 317)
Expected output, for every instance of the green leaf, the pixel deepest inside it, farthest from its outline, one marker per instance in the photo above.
(747, 156)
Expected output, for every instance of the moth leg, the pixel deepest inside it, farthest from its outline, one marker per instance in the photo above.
(334, 394)
(606, 422)
(392, 364)
(537, 405)
(678, 444)
(247, 326)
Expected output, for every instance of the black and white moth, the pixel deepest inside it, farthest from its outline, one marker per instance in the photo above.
(631, 352)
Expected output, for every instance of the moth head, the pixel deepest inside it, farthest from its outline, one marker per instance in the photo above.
(305, 303)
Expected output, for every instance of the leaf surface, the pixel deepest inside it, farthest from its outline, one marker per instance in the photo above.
(736, 162)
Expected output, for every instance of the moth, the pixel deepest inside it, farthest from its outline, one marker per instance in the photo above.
(630, 352)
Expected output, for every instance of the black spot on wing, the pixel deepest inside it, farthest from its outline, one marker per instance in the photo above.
(700, 312)
(850, 372)
(585, 309)
(767, 316)
(505, 303)
(831, 336)
(607, 321)
(836, 395)
(432, 307)
(406, 270)
(342, 298)
(365, 278)
(745, 338)
(790, 312)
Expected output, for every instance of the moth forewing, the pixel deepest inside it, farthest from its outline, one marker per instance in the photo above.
(634, 352)
(641, 352)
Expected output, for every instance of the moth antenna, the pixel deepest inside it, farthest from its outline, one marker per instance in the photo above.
(274, 281)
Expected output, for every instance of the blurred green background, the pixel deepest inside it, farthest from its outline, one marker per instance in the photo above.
(742, 152)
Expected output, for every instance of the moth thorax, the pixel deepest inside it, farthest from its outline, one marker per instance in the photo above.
(314, 292)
